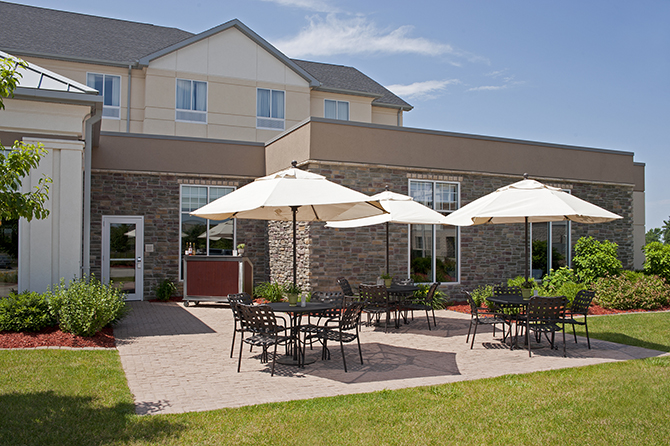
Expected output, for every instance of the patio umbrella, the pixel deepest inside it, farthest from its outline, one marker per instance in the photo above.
(291, 195)
(528, 201)
(401, 209)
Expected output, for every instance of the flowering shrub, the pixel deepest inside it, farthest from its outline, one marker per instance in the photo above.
(631, 290)
(84, 306)
(27, 311)
(657, 259)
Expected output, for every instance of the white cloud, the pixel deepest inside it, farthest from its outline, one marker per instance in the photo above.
(311, 5)
(488, 88)
(422, 90)
(357, 35)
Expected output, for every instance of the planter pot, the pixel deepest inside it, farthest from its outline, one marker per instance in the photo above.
(388, 282)
(292, 300)
(526, 293)
(240, 252)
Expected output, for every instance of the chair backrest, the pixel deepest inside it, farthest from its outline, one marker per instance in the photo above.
(472, 303)
(346, 287)
(431, 293)
(351, 315)
(505, 290)
(582, 302)
(236, 299)
(375, 294)
(259, 319)
(328, 296)
(545, 308)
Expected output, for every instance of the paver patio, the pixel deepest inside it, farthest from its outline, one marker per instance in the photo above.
(177, 359)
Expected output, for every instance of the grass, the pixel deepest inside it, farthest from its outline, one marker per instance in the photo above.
(81, 398)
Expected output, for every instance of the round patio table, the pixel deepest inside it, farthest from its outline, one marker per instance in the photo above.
(295, 357)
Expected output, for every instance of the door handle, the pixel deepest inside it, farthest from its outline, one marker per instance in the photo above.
(139, 262)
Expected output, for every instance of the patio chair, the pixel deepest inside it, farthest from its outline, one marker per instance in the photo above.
(544, 316)
(377, 303)
(512, 315)
(234, 300)
(343, 329)
(483, 316)
(507, 290)
(316, 321)
(422, 304)
(261, 322)
(346, 287)
(580, 307)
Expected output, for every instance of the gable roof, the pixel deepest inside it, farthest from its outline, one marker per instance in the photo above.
(348, 80)
(49, 33)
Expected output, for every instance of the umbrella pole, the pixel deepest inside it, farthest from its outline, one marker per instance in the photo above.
(387, 248)
(527, 251)
(294, 210)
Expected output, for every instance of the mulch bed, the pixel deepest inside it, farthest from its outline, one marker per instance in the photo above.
(54, 337)
(596, 310)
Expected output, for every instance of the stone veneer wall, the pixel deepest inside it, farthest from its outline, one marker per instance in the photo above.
(489, 254)
(155, 196)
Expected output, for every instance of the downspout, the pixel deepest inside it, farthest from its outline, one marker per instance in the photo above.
(399, 117)
(130, 81)
(88, 151)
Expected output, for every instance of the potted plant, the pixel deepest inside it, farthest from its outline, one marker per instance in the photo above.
(293, 292)
(240, 249)
(527, 288)
(388, 279)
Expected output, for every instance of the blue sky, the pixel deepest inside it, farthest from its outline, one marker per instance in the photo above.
(592, 73)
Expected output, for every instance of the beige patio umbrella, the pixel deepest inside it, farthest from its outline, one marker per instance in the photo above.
(528, 201)
(292, 195)
(401, 209)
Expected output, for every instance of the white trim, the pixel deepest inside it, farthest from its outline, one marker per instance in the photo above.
(185, 112)
(108, 108)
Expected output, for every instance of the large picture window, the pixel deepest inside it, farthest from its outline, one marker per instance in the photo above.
(202, 236)
(191, 101)
(434, 249)
(270, 106)
(550, 247)
(109, 87)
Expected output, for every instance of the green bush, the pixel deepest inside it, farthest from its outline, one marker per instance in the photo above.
(273, 292)
(561, 282)
(439, 298)
(28, 311)
(657, 260)
(520, 281)
(594, 259)
(631, 290)
(481, 293)
(83, 307)
(165, 290)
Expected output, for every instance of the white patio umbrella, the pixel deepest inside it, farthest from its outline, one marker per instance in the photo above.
(528, 201)
(292, 195)
(401, 209)
(222, 230)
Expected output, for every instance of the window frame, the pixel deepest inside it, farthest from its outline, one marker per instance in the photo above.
(191, 111)
(108, 108)
(433, 247)
(207, 221)
(337, 109)
(261, 120)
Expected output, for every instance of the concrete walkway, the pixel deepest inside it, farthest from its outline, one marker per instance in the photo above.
(177, 359)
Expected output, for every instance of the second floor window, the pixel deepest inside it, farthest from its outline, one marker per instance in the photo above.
(109, 87)
(336, 110)
(269, 109)
(191, 102)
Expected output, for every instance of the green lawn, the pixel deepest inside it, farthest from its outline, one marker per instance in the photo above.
(81, 398)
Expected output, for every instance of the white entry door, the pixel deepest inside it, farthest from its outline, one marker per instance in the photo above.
(123, 254)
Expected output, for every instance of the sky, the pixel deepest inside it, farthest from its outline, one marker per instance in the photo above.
(588, 73)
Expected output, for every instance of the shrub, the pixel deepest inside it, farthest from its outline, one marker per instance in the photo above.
(165, 290)
(594, 259)
(657, 260)
(561, 282)
(27, 311)
(520, 281)
(439, 298)
(481, 293)
(273, 292)
(83, 307)
(632, 290)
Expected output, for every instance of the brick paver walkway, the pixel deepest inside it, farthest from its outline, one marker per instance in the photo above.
(177, 359)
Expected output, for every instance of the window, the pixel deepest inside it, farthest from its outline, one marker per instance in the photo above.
(205, 237)
(191, 101)
(269, 109)
(336, 110)
(109, 87)
(434, 249)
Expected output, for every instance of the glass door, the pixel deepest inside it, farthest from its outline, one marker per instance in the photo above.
(122, 254)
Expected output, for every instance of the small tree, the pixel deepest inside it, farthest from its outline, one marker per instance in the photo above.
(595, 259)
(657, 260)
(19, 161)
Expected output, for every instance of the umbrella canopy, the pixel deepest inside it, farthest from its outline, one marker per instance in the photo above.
(291, 195)
(222, 230)
(401, 209)
(528, 201)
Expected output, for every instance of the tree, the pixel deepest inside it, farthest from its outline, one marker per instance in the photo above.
(16, 163)
(653, 235)
(665, 230)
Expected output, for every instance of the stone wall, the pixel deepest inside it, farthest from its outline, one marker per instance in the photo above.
(155, 196)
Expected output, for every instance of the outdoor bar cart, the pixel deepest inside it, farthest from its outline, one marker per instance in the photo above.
(213, 278)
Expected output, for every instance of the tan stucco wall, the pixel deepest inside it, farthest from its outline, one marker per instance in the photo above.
(360, 107)
(386, 116)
